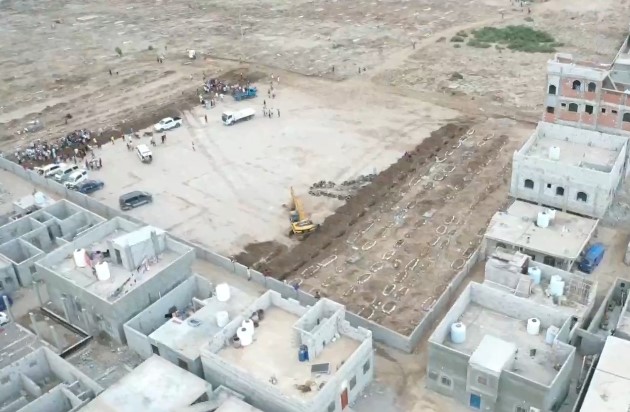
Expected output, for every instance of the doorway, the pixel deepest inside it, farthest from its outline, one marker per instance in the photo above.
(550, 261)
(344, 399)
(475, 401)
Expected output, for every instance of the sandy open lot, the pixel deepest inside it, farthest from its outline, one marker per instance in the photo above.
(410, 228)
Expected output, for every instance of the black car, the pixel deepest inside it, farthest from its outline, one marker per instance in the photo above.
(88, 186)
(134, 199)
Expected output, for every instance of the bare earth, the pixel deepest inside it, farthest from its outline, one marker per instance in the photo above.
(398, 241)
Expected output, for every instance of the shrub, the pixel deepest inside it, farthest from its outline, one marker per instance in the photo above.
(518, 38)
(118, 51)
(457, 39)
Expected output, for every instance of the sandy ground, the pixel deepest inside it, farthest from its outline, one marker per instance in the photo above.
(334, 126)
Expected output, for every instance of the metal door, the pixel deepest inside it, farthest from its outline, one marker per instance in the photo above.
(475, 401)
(344, 399)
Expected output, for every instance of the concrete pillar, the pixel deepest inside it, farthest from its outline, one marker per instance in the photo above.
(38, 292)
(66, 312)
(55, 337)
(31, 315)
(86, 320)
(5, 298)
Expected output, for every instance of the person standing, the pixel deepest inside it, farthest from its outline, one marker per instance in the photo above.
(278, 112)
(193, 146)
(205, 116)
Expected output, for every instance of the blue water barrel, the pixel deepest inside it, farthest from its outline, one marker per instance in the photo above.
(303, 354)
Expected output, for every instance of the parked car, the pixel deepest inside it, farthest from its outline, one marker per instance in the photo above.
(4, 319)
(134, 199)
(87, 186)
(592, 258)
(75, 178)
(63, 172)
(168, 123)
(49, 170)
(144, 153)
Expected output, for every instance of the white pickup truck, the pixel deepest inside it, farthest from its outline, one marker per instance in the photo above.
(168, 123)
(230, 118)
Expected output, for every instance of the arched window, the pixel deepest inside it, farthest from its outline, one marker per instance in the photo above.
(559, 191)
(573, 107)
(577, 85)
(529, 184)
(626, 117)
(582, 197)
(592, 87)
(552, 89)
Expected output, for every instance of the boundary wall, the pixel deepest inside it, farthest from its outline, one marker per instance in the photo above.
(379, 333)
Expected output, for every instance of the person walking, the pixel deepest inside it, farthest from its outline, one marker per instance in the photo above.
(112, 139)
(193, 146)
(278, 112)
(205, 116)
(163, 138)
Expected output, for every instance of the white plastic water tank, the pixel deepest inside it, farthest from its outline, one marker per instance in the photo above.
(244, 336)
(550, 336)
(554, 153)
(79, 258)
(102, 271)
(551, 213)
(249, 325)
(535, 273)
(556, 286)
(458, 332)
(533, 326)
(222, 318)
(223, 292)
(542, 220)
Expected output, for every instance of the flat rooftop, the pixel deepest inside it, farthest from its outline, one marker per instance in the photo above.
(481, 321)
(236, 405)
(155, 386)
(181, 336)
(17, 342)
(565, 237)
(273, 354)
(575, 153)
(119, 275)
(608, 390)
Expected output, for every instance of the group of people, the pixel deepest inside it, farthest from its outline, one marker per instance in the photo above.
(74, 144)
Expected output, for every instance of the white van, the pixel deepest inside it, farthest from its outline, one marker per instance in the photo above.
(49, 170)
(75, 178)
(63, 172)
(144, 153)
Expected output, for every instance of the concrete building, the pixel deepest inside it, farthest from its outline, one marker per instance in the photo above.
(178, 325)
(608, 390)
(495, 351)
(589, 95)
(16, 342)
(569, 169)
(559, 244)
(302, 359)
(25, 240)
(108, 275)
(155, 386)
(42, 381)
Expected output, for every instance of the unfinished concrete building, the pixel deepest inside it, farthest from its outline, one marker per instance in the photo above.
(155, 385)
(108, 275)
(42, 381)
(589, 95)
(495, 351)
(569, 169)
(25, 240)
(551, 237)
(179, 324)
(608, 387)
(297, 359)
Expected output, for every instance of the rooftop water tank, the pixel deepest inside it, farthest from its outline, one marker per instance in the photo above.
(533, 326)
(550, 336)
(551, 213)
(458, 332)
(222, 318)
(245, 337)
(80, 258)
(542, 220)
(554, 153)
(223, 292)
(102, 271)
(249, 325)
(535, 273)
(556, 286)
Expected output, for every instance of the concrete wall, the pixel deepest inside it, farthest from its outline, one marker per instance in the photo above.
(600, 186)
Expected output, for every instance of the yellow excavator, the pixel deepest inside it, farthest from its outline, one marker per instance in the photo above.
(301, 225)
